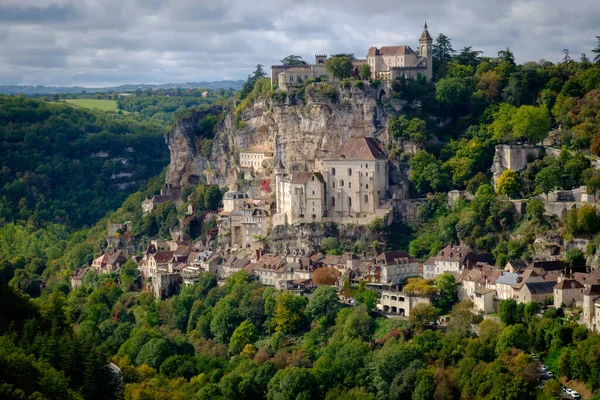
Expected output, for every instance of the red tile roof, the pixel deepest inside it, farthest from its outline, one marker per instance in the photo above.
(362, 148)
(390, 51)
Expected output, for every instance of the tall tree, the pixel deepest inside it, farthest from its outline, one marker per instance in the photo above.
(259, 72)
(597, 51)
(441, 55)
(468, 56)
(292, 60)
(340, 67)
(506, 56)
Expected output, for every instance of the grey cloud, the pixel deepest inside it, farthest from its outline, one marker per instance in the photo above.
(94, 42)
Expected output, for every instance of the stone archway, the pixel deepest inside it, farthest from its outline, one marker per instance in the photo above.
(381, 94)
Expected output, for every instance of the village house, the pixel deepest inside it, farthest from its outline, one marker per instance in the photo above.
(109, 262)
(568, 293)
(78, 276)
(252, 159)
(300, 196)
(394, 267)
(453, 259)
(243, 221)
(536, 291)
(591, 307)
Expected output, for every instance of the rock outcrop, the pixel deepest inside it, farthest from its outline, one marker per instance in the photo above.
(299, 132)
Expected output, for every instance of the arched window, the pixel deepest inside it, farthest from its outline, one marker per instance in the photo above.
(366, 198)
(333, 202)
(350, 185)
(349, 202)
(332, 171)
(341, 183)
(333, 183)
(349, 171)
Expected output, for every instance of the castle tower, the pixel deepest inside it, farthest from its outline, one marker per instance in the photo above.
(426, 50)
(279, 171)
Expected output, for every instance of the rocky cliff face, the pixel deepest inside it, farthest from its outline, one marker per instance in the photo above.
(298, 132)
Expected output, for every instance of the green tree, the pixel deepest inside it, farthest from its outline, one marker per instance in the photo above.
(289, 315)
(597, 51)
(426, 172)
(512, 336)
(422, 315)
(547, 180)
(531, 124)
(292, 383)
(154, 353)
(244, 334)
(508, 183)
(364, 71)
(446, 284)
(331, 246)
(535, 209)
(502, 126)
(508, 312)
(292, 60)
(441, 54)
(340, 67)
(324, 302)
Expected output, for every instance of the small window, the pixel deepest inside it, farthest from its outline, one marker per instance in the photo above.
(350, 185)
(366, 186)
(333, 183)
(366, 199)
(349, 202)
(333, 202)
(341, 183)
(332, 171)
(349, 171)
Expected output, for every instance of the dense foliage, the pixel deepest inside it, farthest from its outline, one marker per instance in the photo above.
(65, 165)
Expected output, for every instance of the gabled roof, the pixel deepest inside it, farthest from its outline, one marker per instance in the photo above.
(392, 257)
(592, 290)
(547, 265)
(163, 256)
(568, 284)
(303, 177)
(453, 253)
(390, 51)
(518, 264)
(540, 287)
(508, 278)
(361, 148)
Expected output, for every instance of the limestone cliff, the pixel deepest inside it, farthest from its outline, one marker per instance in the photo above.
(298, 132)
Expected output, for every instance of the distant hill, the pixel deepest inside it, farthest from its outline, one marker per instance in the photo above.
(40, 89)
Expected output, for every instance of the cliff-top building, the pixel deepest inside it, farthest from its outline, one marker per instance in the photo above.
(387, 63)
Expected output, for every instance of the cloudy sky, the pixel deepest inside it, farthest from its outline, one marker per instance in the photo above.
(109, 42)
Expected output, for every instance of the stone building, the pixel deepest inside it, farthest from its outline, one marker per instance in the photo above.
(356, 179)
(248, 222)
(391, 62)
(299, 196)
(399, 303)
(568, 292)
(387, 63)
(252, 159)
(395, 267)
(350, 185)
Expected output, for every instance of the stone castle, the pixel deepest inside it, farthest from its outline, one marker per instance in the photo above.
(386, 62)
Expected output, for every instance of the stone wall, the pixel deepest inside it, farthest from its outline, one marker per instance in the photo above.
(513, 156)
(406, 210)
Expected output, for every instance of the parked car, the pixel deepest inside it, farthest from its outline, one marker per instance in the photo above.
(575, 395)
(549, 374)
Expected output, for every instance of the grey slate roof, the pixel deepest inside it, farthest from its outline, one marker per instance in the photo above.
(508, 278)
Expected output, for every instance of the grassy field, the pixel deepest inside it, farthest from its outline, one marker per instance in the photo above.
(105, 105)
